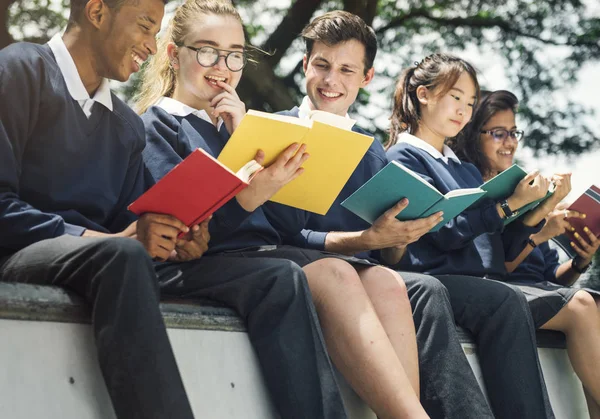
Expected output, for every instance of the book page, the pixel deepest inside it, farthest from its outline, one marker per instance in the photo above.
(248, 171)
(332, 119)
(281, 118)
(461, 192)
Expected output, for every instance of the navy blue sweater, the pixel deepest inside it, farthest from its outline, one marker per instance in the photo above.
(170, 139)
(61, 173)
(540, 265)
(306, 229)
(473, 243)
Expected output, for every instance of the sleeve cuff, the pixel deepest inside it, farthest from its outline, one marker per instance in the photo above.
(74, 230)
(489, 220)
(232, 213)
(316, 239)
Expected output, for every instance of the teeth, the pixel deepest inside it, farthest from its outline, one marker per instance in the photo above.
(330, 94)
(505, 153)
(137, 59)
(215, 78)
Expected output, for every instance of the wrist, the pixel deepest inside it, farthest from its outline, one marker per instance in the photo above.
(514, 203)
(580, 265)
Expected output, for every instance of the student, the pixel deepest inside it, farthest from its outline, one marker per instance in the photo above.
(70, 162)
(433, 101)
(191, 83)
(490, 142)
(340, 51)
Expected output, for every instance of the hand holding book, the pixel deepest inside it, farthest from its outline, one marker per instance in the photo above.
(266, 183)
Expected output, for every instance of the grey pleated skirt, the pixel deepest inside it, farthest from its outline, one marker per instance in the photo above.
(546, 298)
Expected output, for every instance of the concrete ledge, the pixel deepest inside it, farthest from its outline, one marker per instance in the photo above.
(49, 303)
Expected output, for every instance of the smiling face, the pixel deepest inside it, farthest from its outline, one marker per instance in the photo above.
(196, 85)
(445, 115)
(334, 75)
(126, 38)
(500, 154)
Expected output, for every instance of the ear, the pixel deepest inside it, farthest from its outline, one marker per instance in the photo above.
(173, 54)
(368, 77)
(305, 63)
(423, 95)
(96, 12)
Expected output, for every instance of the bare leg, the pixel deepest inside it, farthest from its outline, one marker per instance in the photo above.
(580, 322)
(593, 407)
(358, 343)
(389, 297)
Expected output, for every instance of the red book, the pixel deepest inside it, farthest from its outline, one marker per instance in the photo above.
(588, 204)
(194, 189)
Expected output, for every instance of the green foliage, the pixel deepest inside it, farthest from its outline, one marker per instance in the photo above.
(538, 45)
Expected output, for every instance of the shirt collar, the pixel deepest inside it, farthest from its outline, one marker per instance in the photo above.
(446, 154)
(175, 107)
(71, 75)
(304, 109)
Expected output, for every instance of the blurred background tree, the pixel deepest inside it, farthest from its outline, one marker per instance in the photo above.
(540, 45)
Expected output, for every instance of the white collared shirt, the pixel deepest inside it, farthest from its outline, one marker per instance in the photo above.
(73, 80)
(175, 107)
(446, 154)
(304, 109)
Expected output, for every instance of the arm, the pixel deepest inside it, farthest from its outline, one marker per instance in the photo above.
(586, 248)
(21, 224)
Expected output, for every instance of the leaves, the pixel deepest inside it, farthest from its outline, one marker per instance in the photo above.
(536, 46)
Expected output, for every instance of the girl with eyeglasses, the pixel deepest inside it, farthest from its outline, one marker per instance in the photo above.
(189, 100)
(536, 271)
(433, 101)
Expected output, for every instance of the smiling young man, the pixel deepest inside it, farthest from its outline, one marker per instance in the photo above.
(70, 163)
(340, 51)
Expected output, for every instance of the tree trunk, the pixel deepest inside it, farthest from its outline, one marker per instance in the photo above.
(5, 38)
(366, 9)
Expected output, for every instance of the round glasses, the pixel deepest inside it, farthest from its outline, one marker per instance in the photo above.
(209, 56)
(500, 134)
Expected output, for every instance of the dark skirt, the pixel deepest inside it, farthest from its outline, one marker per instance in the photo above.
(546, 298)
(298, 255)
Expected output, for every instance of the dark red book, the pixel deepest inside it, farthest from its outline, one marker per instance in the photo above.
(194, 189)
(588, 204)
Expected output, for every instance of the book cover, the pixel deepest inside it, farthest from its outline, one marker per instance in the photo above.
(395, 182)
(589, 204)
(334, 154)
(504, 184)
(194, 189)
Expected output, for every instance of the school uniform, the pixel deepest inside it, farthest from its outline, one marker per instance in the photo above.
(460, 254)
(69, 163)
(246, 269)
(448, 387)
(536, 277)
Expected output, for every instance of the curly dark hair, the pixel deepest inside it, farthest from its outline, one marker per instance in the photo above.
(467, 144)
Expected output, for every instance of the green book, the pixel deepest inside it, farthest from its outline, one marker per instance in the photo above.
(394, 182)
(503, 185)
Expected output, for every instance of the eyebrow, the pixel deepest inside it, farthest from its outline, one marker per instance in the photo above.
(461, 91)
(216, 44)
(501, 127)
(351, 66)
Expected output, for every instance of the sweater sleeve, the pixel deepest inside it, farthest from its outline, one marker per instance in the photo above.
(166, 146)
(551, 262)
(515, 236)
(21, 224)
(462, 229)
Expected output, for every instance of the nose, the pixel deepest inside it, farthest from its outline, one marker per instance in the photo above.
(330, 78)
(221, 62)
(150, 45)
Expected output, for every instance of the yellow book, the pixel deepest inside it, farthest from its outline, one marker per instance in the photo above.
(334, 150)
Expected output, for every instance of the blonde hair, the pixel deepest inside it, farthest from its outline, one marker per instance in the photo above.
(158, 78)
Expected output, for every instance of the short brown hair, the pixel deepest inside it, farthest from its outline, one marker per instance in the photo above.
(339, 26)
(438, 72)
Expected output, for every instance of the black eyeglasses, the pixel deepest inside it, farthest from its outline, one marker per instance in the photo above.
(500, 134)
(209, 56)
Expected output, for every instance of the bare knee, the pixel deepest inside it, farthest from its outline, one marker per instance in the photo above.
(582, 305)
(380, 282)
(331, 278)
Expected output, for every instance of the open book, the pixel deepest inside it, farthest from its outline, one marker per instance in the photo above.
(503, 185)
(334, 151)
(195, 188)
(394, 182)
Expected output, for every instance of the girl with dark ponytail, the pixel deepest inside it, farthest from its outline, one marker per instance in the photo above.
(434, 101)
